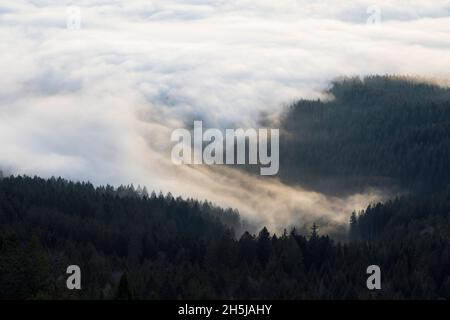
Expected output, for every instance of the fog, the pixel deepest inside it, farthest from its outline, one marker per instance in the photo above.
(99, 102)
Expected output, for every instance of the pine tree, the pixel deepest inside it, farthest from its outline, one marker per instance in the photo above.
(124, 291)
(264, 246)
(314, 232)
(353, 227)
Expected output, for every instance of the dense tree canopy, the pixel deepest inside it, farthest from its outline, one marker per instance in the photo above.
(130, 245)
(371, 132)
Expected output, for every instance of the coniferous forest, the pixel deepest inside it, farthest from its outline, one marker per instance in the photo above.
(376, 131)
(132, 244)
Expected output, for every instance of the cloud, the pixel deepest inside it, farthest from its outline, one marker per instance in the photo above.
(100, 103)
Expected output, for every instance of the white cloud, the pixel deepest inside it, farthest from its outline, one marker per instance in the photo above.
(99, 103)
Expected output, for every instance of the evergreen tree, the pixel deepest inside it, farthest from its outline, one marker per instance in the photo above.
(124, 291)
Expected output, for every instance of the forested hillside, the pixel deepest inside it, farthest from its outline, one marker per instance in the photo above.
(133, 246)
(376, 131)
(379, 131)
(405, 218)
(104, 229)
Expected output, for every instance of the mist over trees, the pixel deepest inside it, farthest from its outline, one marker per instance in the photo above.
(132, 244)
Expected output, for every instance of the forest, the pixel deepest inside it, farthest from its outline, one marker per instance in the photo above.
(132, 244)
(378, 131)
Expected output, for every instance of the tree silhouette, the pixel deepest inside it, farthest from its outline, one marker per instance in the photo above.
(124, 291)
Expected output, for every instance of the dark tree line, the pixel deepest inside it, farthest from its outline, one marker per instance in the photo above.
(131, 245)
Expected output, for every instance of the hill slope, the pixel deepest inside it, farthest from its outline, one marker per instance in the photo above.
(129, 245)
(376, 131)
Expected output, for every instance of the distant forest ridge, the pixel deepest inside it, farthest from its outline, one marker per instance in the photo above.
(375, 131)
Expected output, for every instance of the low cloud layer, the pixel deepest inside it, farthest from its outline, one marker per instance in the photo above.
(99, 103)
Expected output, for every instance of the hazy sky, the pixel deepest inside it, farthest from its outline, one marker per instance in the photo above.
(99, 102)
